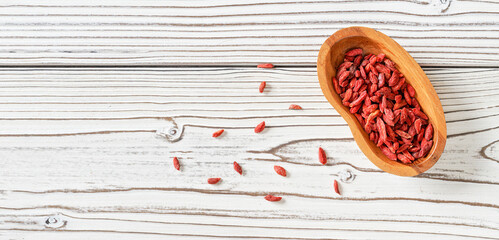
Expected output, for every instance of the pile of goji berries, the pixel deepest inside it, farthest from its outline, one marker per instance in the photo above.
(384, 104)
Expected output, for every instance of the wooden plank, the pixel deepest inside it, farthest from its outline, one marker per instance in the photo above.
(88, 151)
(237, 32)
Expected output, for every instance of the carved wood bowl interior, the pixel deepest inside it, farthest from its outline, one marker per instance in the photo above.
(331, 55)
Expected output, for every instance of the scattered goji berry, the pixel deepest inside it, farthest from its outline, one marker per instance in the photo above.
(265, 65)
(295, 107)
(272, 198)
(213, 180)
(218, 133)
(322, 156)
(238, 168)
(176, 164)
(259, 128)
(336, 188)
(280, 170)
(262, 86)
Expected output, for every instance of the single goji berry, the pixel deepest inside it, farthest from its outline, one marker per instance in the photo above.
(259, 128)
(280, 170)
(176, 164)
(336, 85)
(388, 153)
(380, 57)
(343, 77)
(322, 156)
(354, 52)
(262, 86)
(218, 133)
(411, 90)
(403, 158)
(213, 180)
(238, 168)
(403, 134)
(272, 198)
(429, 132)
(357, 60)
(420, 114)
(336, 188)
(265, 65)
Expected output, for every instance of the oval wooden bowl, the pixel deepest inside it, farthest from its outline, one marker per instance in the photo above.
(371, 41)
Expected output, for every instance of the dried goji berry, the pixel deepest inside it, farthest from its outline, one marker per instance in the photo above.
(388, 153)
(420, 114)
(357, 60)
(336, 188)
(213, 180)
(265, 65)
(403, 134)
(259, 128)
(403, 158)
(343, 77)
(380, 125)
(218, 133)
(280, 170)
(238, 168)
(272, 198)
(262, 86)
(429, 132)
(336, 85)
(176, 164)
(380, 57)
(411, 90)
(322, 156)
(295, 107)
(359, 100)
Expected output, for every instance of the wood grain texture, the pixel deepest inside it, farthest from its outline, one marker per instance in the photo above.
(238, 32)
(89, 150)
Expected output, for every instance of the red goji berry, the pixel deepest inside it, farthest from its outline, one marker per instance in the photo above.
(403, 158)
(262, 86)
(322, 156)
(380, 57)
(259, 128)
(272, 198)
(265, 65)
(280, 170)
(403, 134)
(214, 180)
(238, 168)
(429, 132)
(176, 164)
(218, 133)
(336, 188)
(354, 52)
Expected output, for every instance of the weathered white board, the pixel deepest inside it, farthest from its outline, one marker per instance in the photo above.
(238, 32)
(86, 154)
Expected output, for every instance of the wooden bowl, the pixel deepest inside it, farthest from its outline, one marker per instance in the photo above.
(371, 41)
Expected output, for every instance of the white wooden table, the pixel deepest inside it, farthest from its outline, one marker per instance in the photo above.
(98, 96)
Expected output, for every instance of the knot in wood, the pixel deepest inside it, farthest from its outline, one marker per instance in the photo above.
(55, 222)
(171, 133)
(346, 176)
(441, 5)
